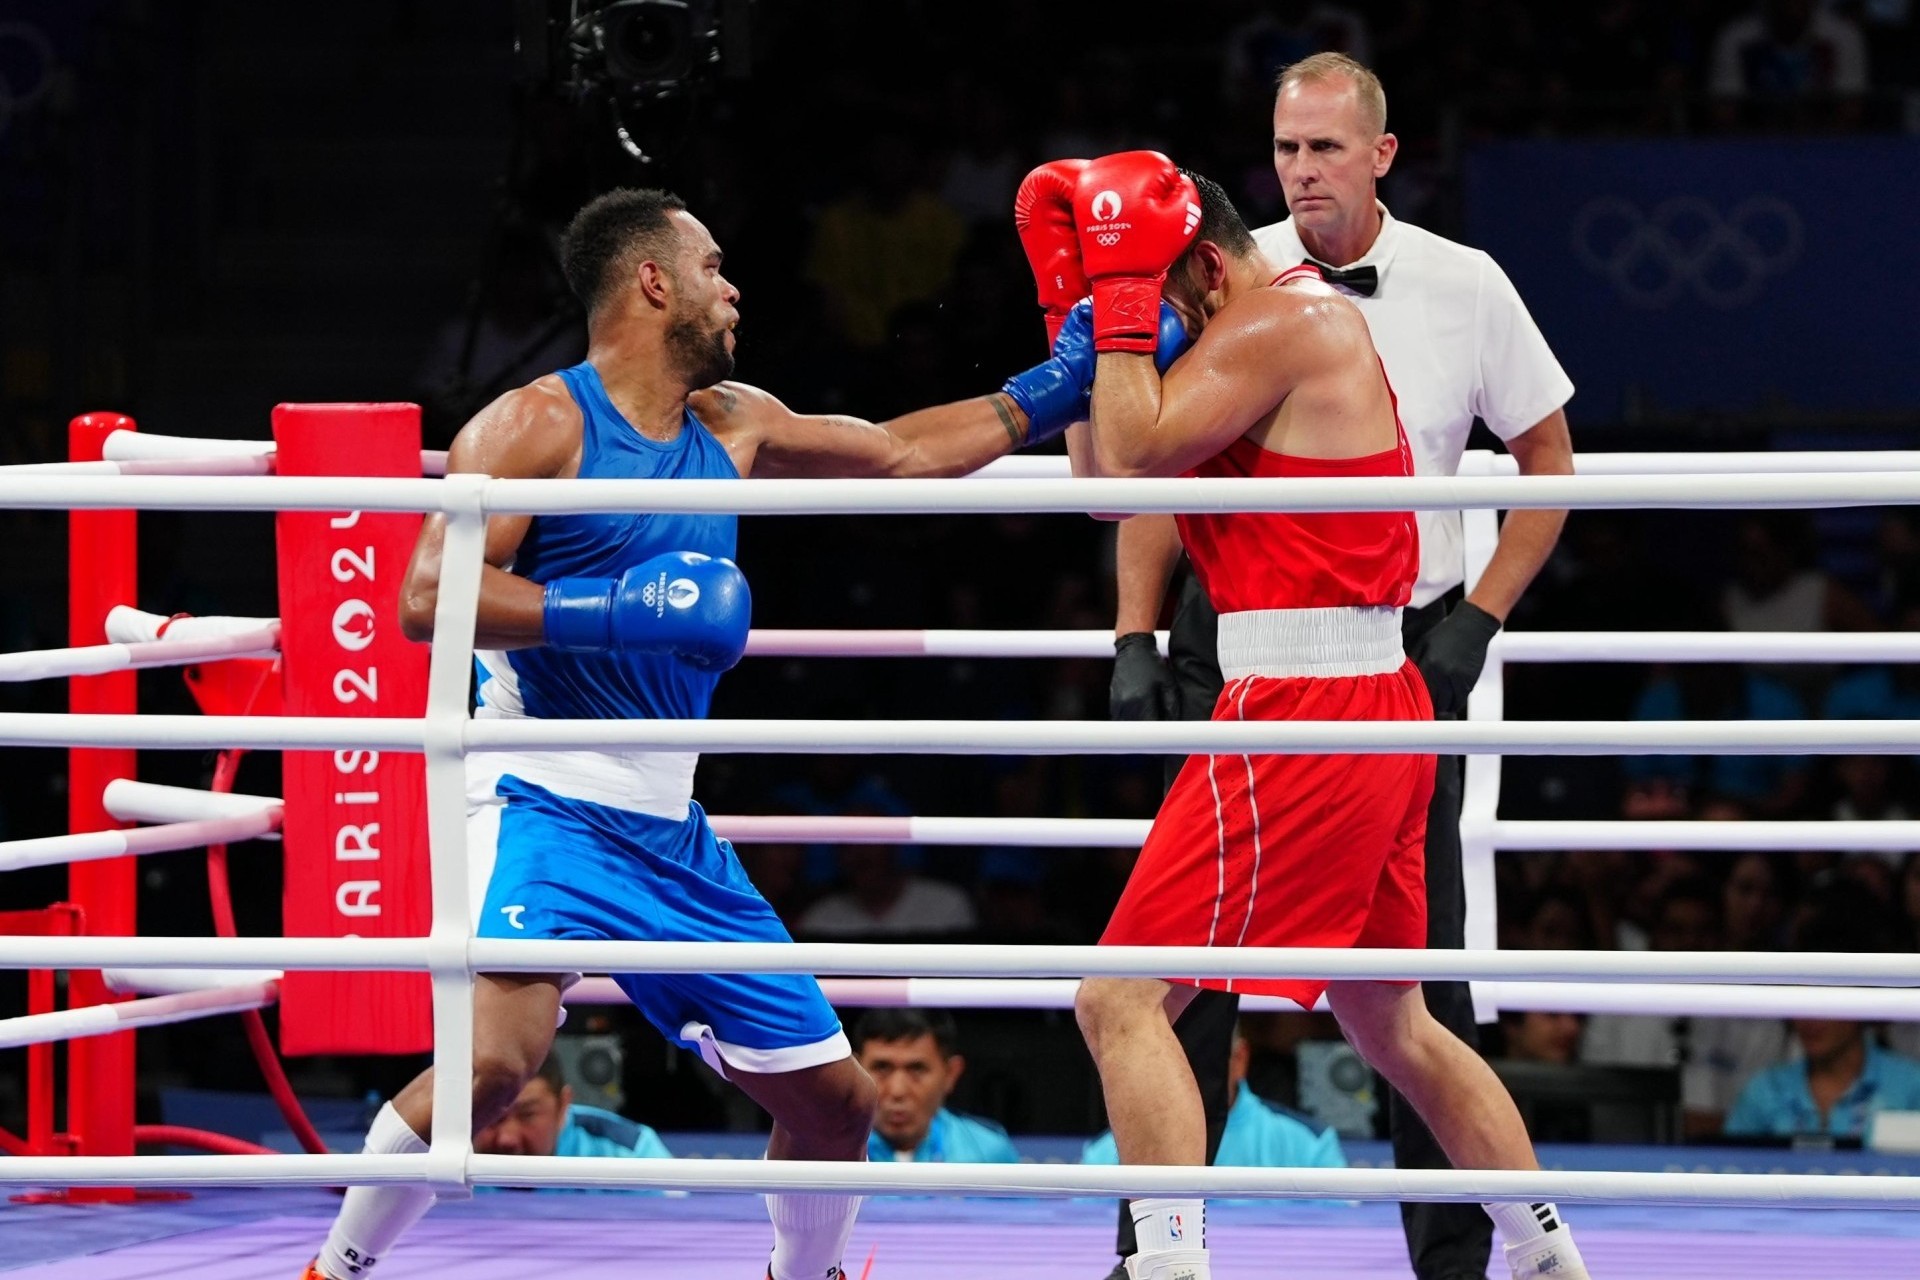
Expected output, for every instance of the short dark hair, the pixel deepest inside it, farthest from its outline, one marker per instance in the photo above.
(554, 1072)
(607, 231)
(1220, 222)
(894, 1025)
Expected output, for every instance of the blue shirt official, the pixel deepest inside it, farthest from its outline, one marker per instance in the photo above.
(1778, 1103)
(951, 1139)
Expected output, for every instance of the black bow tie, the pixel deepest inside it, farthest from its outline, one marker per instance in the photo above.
(1362, 280)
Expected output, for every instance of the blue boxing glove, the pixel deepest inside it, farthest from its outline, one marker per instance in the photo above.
(1058, 393)
(693, 606)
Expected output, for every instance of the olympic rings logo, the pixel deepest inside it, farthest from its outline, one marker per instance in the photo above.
(38, 60)
(1107, 239)
(1685, 246)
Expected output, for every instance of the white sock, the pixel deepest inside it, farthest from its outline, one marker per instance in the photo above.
(1522, 1223)
(1160, 1225)
(374, 1217)
(810, 1234)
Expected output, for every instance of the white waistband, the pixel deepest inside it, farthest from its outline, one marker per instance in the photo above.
(659, 783)
(1282, 643)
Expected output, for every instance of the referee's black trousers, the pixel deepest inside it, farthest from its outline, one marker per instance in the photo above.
(1445, 1241)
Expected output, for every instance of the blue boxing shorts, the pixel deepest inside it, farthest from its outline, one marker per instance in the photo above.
(570, 868)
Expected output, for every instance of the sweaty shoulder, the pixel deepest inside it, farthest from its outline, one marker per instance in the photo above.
(726, 406)
(532, 432)
(1300, 309)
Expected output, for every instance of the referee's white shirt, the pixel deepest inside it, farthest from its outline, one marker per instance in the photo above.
(1458, 344)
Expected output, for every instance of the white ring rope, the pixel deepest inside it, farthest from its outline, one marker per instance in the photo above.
(925, 497)
(132, 801)
(1734, 837)
(1063, 737)
(1119, 833)
(236, 465)
(983, 737)
(1512, 646)
(1735, 1190)
(139, 447)
(91, 846)
(150, 802)
(169, 982)
(158, 1011)
(1693, 1000)
(93, 660)
(142, 446)
(848, 959)
(1023, 466)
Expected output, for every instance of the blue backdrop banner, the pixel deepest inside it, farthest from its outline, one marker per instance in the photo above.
(1739, 276)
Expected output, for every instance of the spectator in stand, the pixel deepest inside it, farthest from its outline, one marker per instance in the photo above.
(1790, 62)
(545, 1121)
(1882, 691)
(1557, 921)
(1753, 906)
(1715, 1056)
(890, 242)
(914, 1059)
(1842, 1077)
(1776, 585)
(1761, 786)
(1536, 1036)
(1837, 1085)
(882, 898)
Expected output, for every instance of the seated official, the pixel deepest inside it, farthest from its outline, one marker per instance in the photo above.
(545, 1121)
(1259, 1134)
(1841, 1080)
(911, 1055)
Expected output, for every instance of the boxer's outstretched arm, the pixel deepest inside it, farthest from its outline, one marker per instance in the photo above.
(1238, 370)
(773, 442)
(529, 433)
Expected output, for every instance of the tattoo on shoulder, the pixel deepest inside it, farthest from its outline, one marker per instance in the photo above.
(728, 400)
(1015, 436)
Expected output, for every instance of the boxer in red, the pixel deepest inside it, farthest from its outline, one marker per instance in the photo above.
(1268, 850)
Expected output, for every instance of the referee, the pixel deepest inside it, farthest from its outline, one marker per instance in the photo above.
(1458, 345)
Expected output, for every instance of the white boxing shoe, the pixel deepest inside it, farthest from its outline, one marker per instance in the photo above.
(1552, 1256)
(1169, 1264)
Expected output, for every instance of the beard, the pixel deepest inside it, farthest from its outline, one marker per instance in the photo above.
(698, 352)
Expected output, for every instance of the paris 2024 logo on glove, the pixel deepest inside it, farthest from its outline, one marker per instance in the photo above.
(1105, 228)
(661, 594)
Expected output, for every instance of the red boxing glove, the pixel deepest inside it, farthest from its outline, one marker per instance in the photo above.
(1043, 214)
(1136, 213)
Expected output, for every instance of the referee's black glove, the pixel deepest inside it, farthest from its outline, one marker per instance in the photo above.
(1142, 686)
(1451, 656)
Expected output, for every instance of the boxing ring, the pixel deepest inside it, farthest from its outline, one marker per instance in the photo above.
(1746, 1224)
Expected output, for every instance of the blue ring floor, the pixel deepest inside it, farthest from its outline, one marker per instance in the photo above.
(268, 1234)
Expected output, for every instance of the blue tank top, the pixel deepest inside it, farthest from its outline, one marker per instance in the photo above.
(557, 685)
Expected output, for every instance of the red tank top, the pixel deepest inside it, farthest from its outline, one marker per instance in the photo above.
(1278, 560)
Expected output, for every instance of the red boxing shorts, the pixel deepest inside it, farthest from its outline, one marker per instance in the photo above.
(1289, 850)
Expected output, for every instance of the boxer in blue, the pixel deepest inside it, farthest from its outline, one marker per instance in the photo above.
(620, 616)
